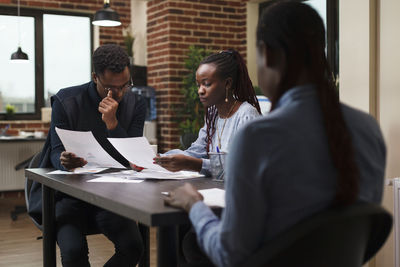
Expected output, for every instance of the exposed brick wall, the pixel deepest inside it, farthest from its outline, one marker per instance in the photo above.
(172, 26)
(27, 126)
(107, 34)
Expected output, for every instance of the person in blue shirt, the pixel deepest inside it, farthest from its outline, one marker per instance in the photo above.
(309, 154)
(106, 107)
(227, 93)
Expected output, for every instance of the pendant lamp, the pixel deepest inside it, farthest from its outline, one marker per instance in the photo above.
(106, 17)
(19, 55)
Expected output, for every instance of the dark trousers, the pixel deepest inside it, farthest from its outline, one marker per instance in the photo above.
(190, 254)
(75, 219)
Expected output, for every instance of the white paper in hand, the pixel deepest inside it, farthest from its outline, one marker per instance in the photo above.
(137, 150)
(84, 145)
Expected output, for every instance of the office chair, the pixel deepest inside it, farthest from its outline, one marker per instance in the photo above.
(21, 209)
(34, 163)
(345, 237)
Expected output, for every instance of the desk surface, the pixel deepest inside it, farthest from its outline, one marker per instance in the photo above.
(142, 202)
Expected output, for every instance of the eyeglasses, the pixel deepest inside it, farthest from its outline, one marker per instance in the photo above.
(122, 88)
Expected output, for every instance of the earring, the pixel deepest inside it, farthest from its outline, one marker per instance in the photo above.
(226, 96)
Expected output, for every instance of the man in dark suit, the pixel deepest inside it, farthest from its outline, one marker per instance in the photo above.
(106, 107)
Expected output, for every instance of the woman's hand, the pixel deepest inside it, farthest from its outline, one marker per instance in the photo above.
(179, 162)
(183, 197)
(136, 167)
(70, 161)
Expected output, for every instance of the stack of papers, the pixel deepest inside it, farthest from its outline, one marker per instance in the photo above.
(136, 150)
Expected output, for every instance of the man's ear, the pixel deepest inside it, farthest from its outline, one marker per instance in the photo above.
(94, 77)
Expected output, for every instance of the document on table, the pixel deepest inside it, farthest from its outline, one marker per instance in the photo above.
(84, 145)
(83, 170)
(127, 176)
(213, 197)
(138, 151)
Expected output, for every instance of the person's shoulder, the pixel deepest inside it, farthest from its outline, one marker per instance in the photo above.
(72, 91)
(356, 117)
(133, 97)
(246, 109)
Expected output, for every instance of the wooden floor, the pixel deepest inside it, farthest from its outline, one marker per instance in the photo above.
(20, 248)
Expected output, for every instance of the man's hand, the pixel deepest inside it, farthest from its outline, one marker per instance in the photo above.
(108, 108)
(183, 197)
(179, 162)
(70, 161)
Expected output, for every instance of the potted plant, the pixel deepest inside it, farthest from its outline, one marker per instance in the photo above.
(190, 114)
(128, 40)
(10, 110)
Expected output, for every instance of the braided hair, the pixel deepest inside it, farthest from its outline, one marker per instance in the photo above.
(229, 63)
(297, 30)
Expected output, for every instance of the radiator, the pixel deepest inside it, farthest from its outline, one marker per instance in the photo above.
(12, 153)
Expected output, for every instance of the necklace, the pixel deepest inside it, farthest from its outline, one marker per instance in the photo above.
(219, 134)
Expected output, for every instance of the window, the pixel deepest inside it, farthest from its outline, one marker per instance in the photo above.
(59, 47)
(17, 83)
(329, 12)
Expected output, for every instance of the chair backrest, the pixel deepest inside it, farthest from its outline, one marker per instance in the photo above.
(346, 237)
(34, 163)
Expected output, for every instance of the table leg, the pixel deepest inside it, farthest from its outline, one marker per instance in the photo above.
(49, 227)
(167, 246)
(145, 233)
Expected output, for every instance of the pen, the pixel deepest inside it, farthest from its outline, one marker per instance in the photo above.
(165, 193)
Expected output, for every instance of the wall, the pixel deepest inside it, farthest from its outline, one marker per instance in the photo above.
(171, 27)
(252, 19)
(139, 22)
(354, 53)
(27, 126)
(389, 98)
(107, 35)
(369, 80)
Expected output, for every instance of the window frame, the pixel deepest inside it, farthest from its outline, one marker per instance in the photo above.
(332, 31)
(37, 14)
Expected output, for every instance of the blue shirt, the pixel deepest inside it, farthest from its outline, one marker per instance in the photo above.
(279, 171)
(225, 131)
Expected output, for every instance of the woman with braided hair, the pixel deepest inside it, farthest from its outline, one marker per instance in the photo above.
(309, 154)
(226, 91)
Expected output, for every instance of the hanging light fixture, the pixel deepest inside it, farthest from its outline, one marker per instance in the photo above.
(106, 17)
(19, 55)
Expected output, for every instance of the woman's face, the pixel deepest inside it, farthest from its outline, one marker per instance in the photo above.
(211, 88)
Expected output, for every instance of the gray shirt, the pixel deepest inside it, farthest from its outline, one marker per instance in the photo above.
(244, 114)
(280, 171)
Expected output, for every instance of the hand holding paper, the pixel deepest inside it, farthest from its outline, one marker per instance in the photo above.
(85, 146)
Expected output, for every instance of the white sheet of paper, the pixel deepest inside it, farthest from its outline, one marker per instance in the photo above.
(79, 171)
(214, 197)
(84, 145)
(113, 179)
(165, 175)
(59, 172)
(137, 150)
